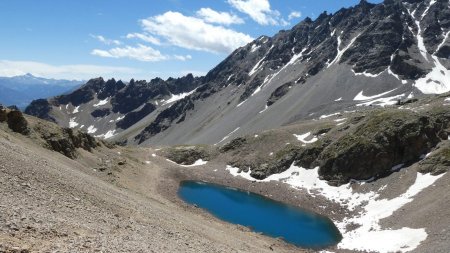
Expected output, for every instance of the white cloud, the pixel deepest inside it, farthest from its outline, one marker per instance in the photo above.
(105, 40)
(182, 57)
(259, 10)
(224, 18)
(79, 72)
(294, 14)
(144, 37)
(140, 53)
(194, 33)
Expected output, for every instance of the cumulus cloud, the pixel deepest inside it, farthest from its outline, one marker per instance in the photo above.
(182, 57)
(105, 40)
(294, 14)
(144, 37)
(194, 33)
(223, 18)
(259, 10)
(140, 53)
(79, 72)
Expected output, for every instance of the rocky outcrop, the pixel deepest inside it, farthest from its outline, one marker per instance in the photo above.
(368, 146)
(234, 144)
(40, 108)
(383, 141)
(66, 141)
(82, 95)
(63, 140)
(186, 155)
(437, 163)
(292, 154)
(279, 93)
(134, 117)
(17, 122)
(3, 115)
(100, 113)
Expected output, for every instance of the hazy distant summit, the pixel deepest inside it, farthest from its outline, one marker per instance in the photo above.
(21, 90)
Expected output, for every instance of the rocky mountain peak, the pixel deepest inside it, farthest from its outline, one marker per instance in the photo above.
(377, 53)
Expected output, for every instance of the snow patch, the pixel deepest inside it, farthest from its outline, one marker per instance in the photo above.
(101, 102)
(292, 61)
(340, 120)
(337, 100)
(228, 136)
(367, 74)
(435, 82)
(371, 237)
(76, 110)
(383, 101)
(107, 135)
(329, 115)
(420, 41)
(241, 103)
(428, 8)
(120, 118)
(199, 162)
(72, 123)
(265, 108)
(178, 97)
(303, 137)
(341, 52)
(361, 97)
(443, 42)
(91, 130)
(254, 48)
(258, 65)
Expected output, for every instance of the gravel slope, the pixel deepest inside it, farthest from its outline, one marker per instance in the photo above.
(51, 203)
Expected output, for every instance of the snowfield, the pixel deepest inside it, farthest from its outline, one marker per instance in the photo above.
(369, 236)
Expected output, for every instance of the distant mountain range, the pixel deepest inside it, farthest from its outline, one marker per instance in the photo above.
(367, 55)
(21, 90)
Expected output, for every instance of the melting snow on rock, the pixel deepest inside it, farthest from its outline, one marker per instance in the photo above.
(101, 102)
(369, 236)
(303, 137)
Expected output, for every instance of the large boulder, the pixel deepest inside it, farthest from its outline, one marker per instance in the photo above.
(3, 114)
(17, 122)
(437, 163)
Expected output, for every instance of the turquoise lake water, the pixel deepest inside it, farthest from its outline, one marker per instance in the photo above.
(261, 214)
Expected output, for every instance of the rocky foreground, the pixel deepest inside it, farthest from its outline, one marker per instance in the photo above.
(105, 200)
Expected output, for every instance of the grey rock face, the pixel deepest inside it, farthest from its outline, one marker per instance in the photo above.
(317, 67)
(40, 108)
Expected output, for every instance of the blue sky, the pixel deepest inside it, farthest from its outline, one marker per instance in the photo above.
(80, 39)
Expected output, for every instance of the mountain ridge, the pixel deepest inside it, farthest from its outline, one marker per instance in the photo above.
(316, 68)
(22, 90)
